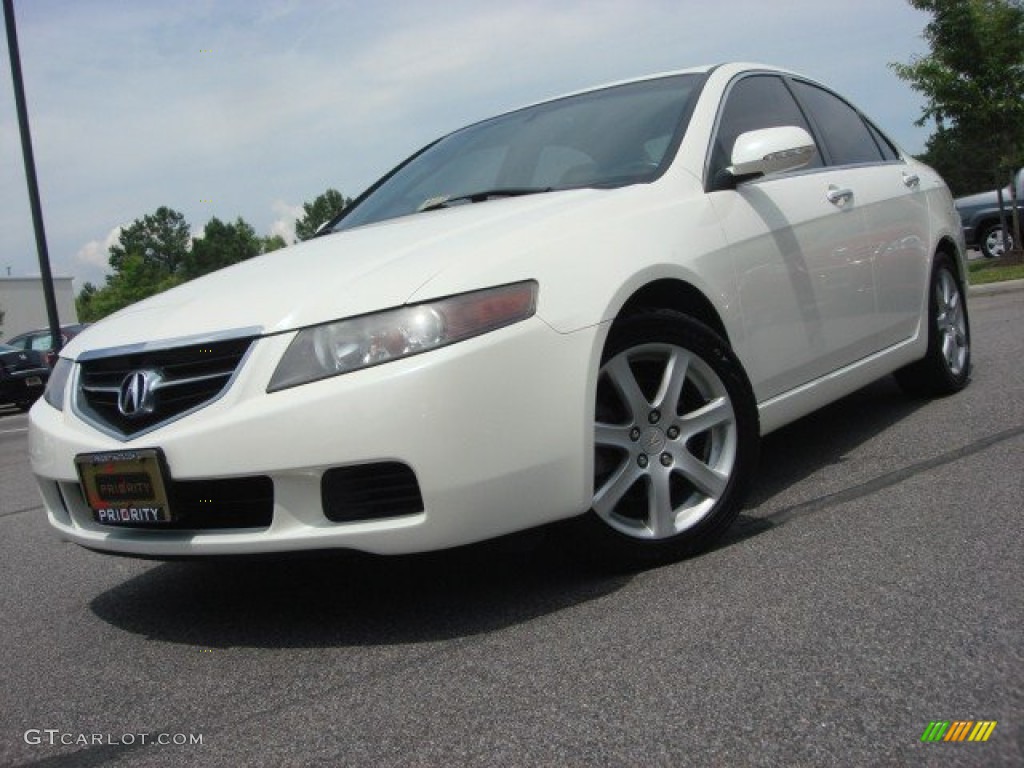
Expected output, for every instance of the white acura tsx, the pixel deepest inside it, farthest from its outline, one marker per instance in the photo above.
(590, 308)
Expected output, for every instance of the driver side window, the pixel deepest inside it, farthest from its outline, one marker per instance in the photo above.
(758, 101)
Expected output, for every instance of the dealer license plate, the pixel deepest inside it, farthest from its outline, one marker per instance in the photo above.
(33, 381)
(126, 487)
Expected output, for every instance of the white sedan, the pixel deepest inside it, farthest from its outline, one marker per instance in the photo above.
(590, 308)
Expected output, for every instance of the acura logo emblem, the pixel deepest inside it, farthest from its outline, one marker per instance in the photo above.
(135, 397)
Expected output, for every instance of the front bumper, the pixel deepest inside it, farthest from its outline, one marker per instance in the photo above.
(496, 429)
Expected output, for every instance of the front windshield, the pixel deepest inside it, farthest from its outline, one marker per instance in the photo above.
(608, 138)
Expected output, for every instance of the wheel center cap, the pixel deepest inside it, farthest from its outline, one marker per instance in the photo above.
(652, 440)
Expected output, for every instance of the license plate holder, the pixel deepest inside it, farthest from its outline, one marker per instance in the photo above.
(126, 488)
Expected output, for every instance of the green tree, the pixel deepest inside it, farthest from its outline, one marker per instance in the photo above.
(156, 252)
(161, 239)
(220, 246)
(148, 258)
(272, 243)
(324, 208)
(136, 279)
(83, 302)
(955, 157)
(973, 83)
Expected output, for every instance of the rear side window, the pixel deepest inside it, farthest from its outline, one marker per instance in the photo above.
(840, 126)
(889, 151)
(759, 101)
(42, 343)
(36, 341)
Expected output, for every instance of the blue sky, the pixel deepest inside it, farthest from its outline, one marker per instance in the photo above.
(249, 107)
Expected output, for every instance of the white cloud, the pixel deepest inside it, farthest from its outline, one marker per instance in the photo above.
(96, 253)
(280, 105)
(284, 225)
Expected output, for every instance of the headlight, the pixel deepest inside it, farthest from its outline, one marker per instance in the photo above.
(55, 387)
(360, 342)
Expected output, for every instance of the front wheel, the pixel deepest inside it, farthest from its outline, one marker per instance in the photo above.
(675, 440)
(995, 242)
(946, 366)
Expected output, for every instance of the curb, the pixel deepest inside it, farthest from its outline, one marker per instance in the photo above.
(993, 289)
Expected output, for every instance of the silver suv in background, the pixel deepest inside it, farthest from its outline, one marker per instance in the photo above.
(983, 226)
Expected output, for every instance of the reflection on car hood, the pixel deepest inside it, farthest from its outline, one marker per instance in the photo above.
(340, 275)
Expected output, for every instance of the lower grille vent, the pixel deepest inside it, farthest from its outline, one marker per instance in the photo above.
(370, 492)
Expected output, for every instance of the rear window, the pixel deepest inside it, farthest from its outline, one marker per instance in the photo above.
(842, 129)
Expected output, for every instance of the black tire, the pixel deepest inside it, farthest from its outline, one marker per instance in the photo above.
(993, 242)
(668, 479)
(946, 367)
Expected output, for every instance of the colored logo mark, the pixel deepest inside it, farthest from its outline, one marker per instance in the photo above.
(958, 730)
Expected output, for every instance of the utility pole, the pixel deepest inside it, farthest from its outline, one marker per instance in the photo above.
(30, 176)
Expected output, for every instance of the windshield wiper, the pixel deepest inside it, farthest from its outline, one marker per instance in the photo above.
(443, 201)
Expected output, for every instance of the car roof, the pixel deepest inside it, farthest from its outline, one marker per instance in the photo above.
(705, 69)
(735, 67)
(68, 327)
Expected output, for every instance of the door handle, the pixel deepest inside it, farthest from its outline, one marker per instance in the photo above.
(912, 180)
(839, 197)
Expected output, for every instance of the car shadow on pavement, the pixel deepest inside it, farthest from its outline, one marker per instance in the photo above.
(347, 598)
(828, 436)
(822, 439)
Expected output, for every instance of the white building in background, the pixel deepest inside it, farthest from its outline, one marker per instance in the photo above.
(23, 304)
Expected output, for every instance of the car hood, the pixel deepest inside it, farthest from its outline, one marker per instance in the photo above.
(982, 198)
(339, 275)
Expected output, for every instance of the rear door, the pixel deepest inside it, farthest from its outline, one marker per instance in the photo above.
(888, 200)
(802, 262)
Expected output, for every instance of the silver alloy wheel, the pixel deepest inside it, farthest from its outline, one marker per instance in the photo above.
(997, 243)
(950, 321)
(661, 467)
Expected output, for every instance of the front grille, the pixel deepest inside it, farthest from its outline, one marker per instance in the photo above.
(198, 505)
(180, 380)
(370, 492)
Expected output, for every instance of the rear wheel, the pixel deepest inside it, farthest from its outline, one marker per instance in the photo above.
(946, 366)
(675, 440)
(994, 241)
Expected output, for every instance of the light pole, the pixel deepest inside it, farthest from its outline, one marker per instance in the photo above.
(30, 176)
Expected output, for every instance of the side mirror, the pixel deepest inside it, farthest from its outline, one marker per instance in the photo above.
(770, 150)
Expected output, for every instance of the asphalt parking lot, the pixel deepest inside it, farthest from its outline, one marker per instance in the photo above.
(871, 586)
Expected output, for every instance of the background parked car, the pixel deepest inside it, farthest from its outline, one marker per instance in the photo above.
(983, 226)
(23, 375)
(42, 341)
